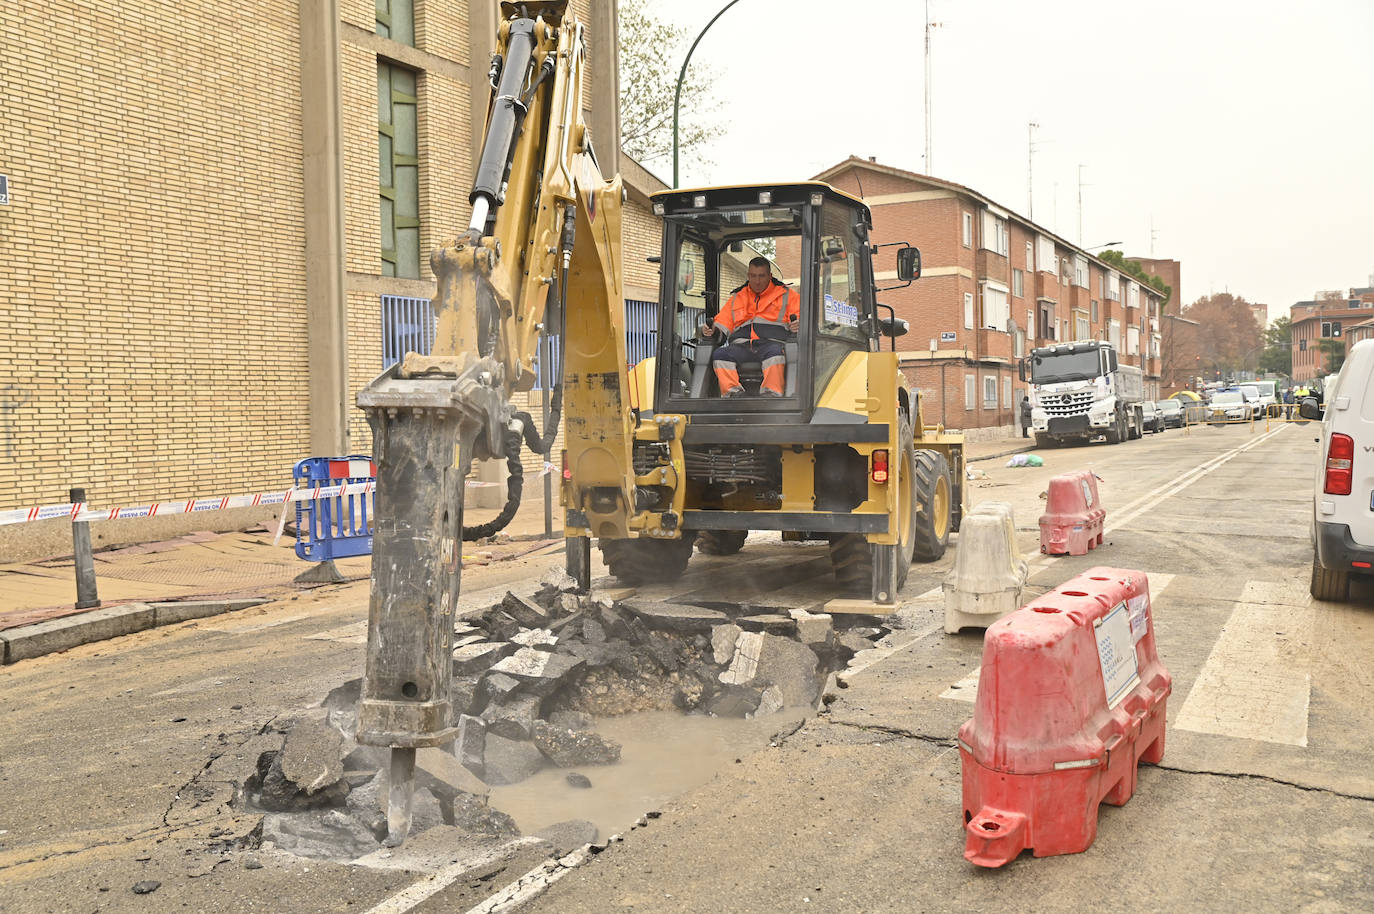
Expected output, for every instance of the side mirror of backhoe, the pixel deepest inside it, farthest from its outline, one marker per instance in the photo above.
(893, 326)
(908, 264)
(1309, 409)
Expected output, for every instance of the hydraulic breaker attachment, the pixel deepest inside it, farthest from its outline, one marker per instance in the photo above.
(425, 433)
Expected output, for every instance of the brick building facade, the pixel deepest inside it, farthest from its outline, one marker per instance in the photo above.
(993, 286)
(1328, 317)
(210, 215)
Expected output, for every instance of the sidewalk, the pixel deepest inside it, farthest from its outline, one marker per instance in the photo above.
(227, 568)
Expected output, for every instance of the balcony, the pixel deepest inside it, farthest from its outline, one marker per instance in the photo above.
(994, 266)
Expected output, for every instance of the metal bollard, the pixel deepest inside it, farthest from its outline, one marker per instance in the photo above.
(86, 596)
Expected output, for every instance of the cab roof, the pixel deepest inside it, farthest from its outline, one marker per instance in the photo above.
(741, 192)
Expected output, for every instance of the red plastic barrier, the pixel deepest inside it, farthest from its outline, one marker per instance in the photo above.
(1066, 709)
(1074, 517)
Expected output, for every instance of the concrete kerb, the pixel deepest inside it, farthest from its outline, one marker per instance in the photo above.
(28, 641)
(1020, 449)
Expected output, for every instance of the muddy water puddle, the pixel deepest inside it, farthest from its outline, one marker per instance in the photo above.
(664, 754)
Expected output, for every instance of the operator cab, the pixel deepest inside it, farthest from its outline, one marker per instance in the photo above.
(815, 240)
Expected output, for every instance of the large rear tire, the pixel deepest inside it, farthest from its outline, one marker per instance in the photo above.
(720, 542)
(641, 560)
(851, 554)
(933, 506)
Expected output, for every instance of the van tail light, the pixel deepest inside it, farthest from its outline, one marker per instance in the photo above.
(880, 465)
(1340, 461)
(567, 470)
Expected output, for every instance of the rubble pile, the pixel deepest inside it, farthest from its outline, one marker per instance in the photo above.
(530, 676)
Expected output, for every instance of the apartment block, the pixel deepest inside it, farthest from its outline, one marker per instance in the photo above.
(994, 285)
(1330, 316)
(217, 229)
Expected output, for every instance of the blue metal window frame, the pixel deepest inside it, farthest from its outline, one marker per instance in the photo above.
(407, 326)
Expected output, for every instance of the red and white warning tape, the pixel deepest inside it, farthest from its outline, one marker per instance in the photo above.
(80, 512)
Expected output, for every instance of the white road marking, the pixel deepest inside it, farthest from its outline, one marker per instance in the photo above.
(410, 897)
(353, 633)
(966, 689)
(1249, 688)
(531, 885)
(255, 626)
(1133, 509)
(865, 659)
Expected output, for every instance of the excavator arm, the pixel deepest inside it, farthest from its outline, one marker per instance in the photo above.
(542, 252)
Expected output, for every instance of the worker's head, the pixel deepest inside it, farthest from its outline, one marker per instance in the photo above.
(760, 275)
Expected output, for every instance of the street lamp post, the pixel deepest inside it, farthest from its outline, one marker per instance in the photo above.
(677, 93)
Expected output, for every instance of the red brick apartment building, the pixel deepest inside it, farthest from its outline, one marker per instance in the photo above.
(1331, 316)
(993, 286)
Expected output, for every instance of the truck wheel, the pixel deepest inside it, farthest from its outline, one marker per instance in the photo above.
(1117, 433)
(640, 560)
(932, 506)
(1329, 584)
(720, 542)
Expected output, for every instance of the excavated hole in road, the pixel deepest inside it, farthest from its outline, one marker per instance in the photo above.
(577, 717)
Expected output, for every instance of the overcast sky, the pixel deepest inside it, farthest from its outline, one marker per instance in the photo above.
(1243, 132)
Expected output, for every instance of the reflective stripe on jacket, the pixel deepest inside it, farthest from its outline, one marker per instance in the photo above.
(760, 317)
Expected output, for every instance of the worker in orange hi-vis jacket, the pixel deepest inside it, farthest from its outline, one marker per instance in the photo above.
(760, 315)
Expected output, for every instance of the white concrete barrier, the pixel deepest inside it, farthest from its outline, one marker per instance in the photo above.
(989, 572)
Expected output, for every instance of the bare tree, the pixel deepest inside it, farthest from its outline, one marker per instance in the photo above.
(651, 53)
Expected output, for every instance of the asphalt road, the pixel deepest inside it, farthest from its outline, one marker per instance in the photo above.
(117, 760)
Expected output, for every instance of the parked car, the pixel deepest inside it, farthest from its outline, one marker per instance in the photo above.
(1172, 413)
(1229, 406)
(1342, 522)
(1269, 398)
(1153, 416)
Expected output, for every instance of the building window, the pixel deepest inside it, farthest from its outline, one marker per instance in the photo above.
(989, 391)
(1044, 253)
(1080, 272)
(1114, 334)
(1094, 311)
(407, 326)
(1302, 345)
(996, 307)
(968, 230)
(970, 390)
(1331, 328)
(396, 20)
(1132, 295)
(995, 233)
(398, 158)
(1030, 257)
(1018, 283)
(968, 310)
(1113, 289)
(1132, 341)
(1080, 326)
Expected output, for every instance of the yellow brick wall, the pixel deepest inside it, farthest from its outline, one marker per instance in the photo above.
(152, 317)
(642, 232)
(441, 28)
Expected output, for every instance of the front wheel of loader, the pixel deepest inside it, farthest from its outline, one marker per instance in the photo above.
(720, 542)
(933, 503)
(641, 560)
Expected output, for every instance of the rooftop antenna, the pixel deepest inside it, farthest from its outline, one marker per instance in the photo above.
(929, 25)
(1030, 169)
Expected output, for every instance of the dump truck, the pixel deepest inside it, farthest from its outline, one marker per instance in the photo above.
(1080, 390)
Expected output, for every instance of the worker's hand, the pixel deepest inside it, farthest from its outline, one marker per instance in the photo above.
(793, 323)
(708, 329)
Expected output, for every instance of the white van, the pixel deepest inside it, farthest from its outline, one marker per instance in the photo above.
(1343, 509)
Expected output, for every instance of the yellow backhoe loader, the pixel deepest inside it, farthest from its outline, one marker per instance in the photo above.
(656, 459)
